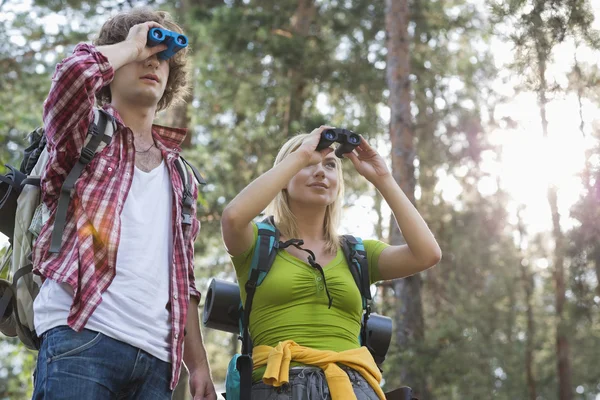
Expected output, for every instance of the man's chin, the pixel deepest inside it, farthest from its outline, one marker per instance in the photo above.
(144, 99)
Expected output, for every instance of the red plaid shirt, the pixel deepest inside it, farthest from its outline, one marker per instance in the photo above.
(91, 237)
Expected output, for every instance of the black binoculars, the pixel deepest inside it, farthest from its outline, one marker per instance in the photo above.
(347, 139)
(222, 312)
(175, 41)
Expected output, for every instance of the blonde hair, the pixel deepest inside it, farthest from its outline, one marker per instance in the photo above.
(284, 217)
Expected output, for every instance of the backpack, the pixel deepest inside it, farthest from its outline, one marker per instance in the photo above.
(22, 215)
(238, 382)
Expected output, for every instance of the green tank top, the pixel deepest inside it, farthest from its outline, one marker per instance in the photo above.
(291, 303)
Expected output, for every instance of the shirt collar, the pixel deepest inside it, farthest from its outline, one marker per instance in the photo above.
(170, 138)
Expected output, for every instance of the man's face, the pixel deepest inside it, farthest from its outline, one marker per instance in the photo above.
(141, 83)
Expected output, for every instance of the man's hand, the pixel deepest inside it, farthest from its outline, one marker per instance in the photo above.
(194, 356)
(201, 384)
(138, 37)
(133, 48)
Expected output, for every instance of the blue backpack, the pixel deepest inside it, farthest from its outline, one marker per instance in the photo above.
(238, 383)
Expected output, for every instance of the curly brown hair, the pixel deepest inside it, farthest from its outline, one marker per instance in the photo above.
(116, 29)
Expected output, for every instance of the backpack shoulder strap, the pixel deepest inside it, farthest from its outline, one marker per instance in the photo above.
(188, 198)
(356, 257)
(199, 178)
(265, 250)
(100, 132)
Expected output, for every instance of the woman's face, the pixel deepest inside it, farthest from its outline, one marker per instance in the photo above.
(315, 185)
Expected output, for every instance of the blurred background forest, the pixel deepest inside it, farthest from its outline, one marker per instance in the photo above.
(488, 112)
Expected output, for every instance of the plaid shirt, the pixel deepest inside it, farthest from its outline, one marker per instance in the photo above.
(91, 237)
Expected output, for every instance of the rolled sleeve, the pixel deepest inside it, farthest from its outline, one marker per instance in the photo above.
(71, 99)
(190, 248)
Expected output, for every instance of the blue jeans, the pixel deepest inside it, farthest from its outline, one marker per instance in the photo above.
(89, 365)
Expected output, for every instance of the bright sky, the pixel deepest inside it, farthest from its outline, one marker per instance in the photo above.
(527, 162)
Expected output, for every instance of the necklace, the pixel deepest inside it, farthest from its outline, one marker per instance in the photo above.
(147, 150)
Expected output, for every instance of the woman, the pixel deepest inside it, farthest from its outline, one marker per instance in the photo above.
(290, 315)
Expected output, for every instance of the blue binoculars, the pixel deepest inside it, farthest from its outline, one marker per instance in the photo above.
(175, 41)
(347, 139)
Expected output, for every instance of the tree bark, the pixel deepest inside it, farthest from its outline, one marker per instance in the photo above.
(300, 22)
(542, 49)
(528, 286)
(178, 117)
(562, 343)
(409, 308)
(597, 262)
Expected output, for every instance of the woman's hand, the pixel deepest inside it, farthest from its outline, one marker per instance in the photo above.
(368, 162)
(309, 146)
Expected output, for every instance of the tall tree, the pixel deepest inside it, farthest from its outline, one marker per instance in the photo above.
(300, 25)
(410, 329)
(528, 287)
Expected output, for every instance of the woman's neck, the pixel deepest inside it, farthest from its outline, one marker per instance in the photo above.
(310, 222)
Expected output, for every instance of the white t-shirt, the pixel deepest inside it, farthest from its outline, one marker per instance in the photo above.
(134, 308)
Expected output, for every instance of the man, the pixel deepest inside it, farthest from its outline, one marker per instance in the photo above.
(118, 310)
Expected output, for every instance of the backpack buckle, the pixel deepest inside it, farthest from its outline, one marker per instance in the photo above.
(250, 285)
(93, 129)
(86, 155)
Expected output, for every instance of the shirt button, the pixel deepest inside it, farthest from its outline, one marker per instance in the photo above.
(175, 296)
(109, 169)
(320, 287)
(177, 336)
(318, 279)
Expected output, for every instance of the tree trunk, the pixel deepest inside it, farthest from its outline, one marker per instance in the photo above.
(562, 343)
(178, 117)
(529, 345)
(409, 308)
(597, 262)
(528, 286)
(301, 21)
(579, 86)
(379, 211)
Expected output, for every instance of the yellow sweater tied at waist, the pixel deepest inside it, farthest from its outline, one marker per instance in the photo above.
(277, 359)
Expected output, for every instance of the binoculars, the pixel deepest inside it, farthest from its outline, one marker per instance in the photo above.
(175, 41)
(347, 139)
(222, 312)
